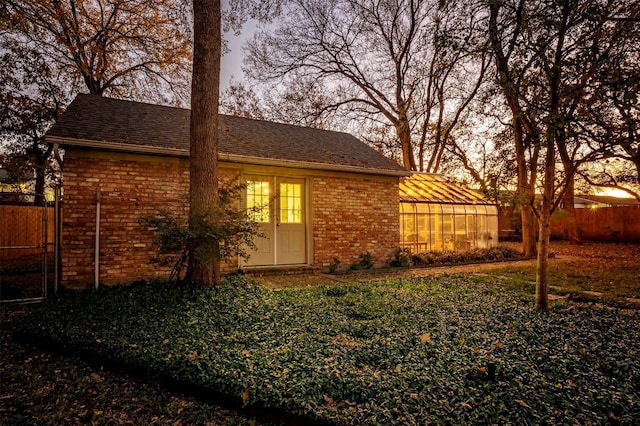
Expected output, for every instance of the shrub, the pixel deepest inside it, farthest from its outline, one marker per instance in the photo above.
(401, 257)
(333, 266)
(232, 233)
(366, 262)
(477, 255)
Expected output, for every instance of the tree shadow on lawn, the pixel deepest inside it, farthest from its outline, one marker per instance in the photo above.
(43, 386)
(606, 273)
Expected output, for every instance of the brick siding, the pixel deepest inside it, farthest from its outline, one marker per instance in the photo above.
(350, 215)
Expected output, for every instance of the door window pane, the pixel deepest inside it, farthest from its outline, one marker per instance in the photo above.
(258, 201)
(290, 203)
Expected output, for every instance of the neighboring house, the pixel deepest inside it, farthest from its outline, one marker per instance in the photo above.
(438, 215)
(14, 191)
(583, 202)
(329, 195)
(608, 201)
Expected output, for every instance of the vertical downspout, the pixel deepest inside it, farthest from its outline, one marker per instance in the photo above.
(56, 232)
(97, 248)
(45, 244)
(56, 240)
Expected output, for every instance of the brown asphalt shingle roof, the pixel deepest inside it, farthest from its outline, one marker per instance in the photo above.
(128, 126)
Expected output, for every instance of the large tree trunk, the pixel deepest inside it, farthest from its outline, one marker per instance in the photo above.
(510, 92)
(204, 256)
(528, 220)
(542, 268)
(40, 162)
(525, 193)
(403, 129)
(40, 159)
(573, 230)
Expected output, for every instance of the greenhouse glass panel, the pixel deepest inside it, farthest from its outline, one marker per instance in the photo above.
(407, 224)
(483, 234)
(437, 215)
(448, 235)
(461, 240)
(435, 228)
(422, 228)
(492, 225)
(472, 231)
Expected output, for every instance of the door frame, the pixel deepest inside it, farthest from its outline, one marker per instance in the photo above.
(307, 215)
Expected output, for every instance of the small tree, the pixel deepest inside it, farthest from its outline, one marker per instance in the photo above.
(548, 56)
(233, 230)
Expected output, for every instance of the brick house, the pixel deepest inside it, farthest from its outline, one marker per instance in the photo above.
(328, 194)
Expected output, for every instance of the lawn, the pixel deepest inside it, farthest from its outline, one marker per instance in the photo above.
(593, 271)
(400, 351)
(41, 387)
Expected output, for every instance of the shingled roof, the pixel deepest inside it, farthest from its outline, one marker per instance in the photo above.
(97, 122)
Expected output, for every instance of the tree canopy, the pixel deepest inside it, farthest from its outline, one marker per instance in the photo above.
(52, 49)
(411, 66)
(133, 49)
(551, 57)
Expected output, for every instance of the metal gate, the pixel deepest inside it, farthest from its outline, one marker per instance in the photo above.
(28, 249)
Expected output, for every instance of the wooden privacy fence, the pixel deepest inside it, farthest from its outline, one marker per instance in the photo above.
(620, 224)
(22, 226)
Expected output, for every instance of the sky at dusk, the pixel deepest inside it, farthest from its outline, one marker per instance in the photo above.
(231, 62)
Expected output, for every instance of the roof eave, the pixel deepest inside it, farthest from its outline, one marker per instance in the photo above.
(114, 146)
(404, 199)
(260, 161)
(231, 158)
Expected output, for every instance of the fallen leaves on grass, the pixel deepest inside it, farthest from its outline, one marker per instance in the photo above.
(39, 387)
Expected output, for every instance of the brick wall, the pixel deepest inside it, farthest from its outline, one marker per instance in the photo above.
(131, 187)
(352, 216)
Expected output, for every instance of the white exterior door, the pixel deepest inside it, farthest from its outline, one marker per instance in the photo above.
(290, 241)
(278, 204)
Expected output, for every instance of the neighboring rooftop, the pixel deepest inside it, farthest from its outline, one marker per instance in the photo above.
(433, 188)
(97, 122)
(612, 201)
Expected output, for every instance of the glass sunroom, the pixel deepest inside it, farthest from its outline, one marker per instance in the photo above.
(438, 215)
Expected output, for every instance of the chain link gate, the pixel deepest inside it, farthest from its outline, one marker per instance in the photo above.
(28, 249)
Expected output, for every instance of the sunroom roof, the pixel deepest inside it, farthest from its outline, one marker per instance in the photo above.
(434, 188)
